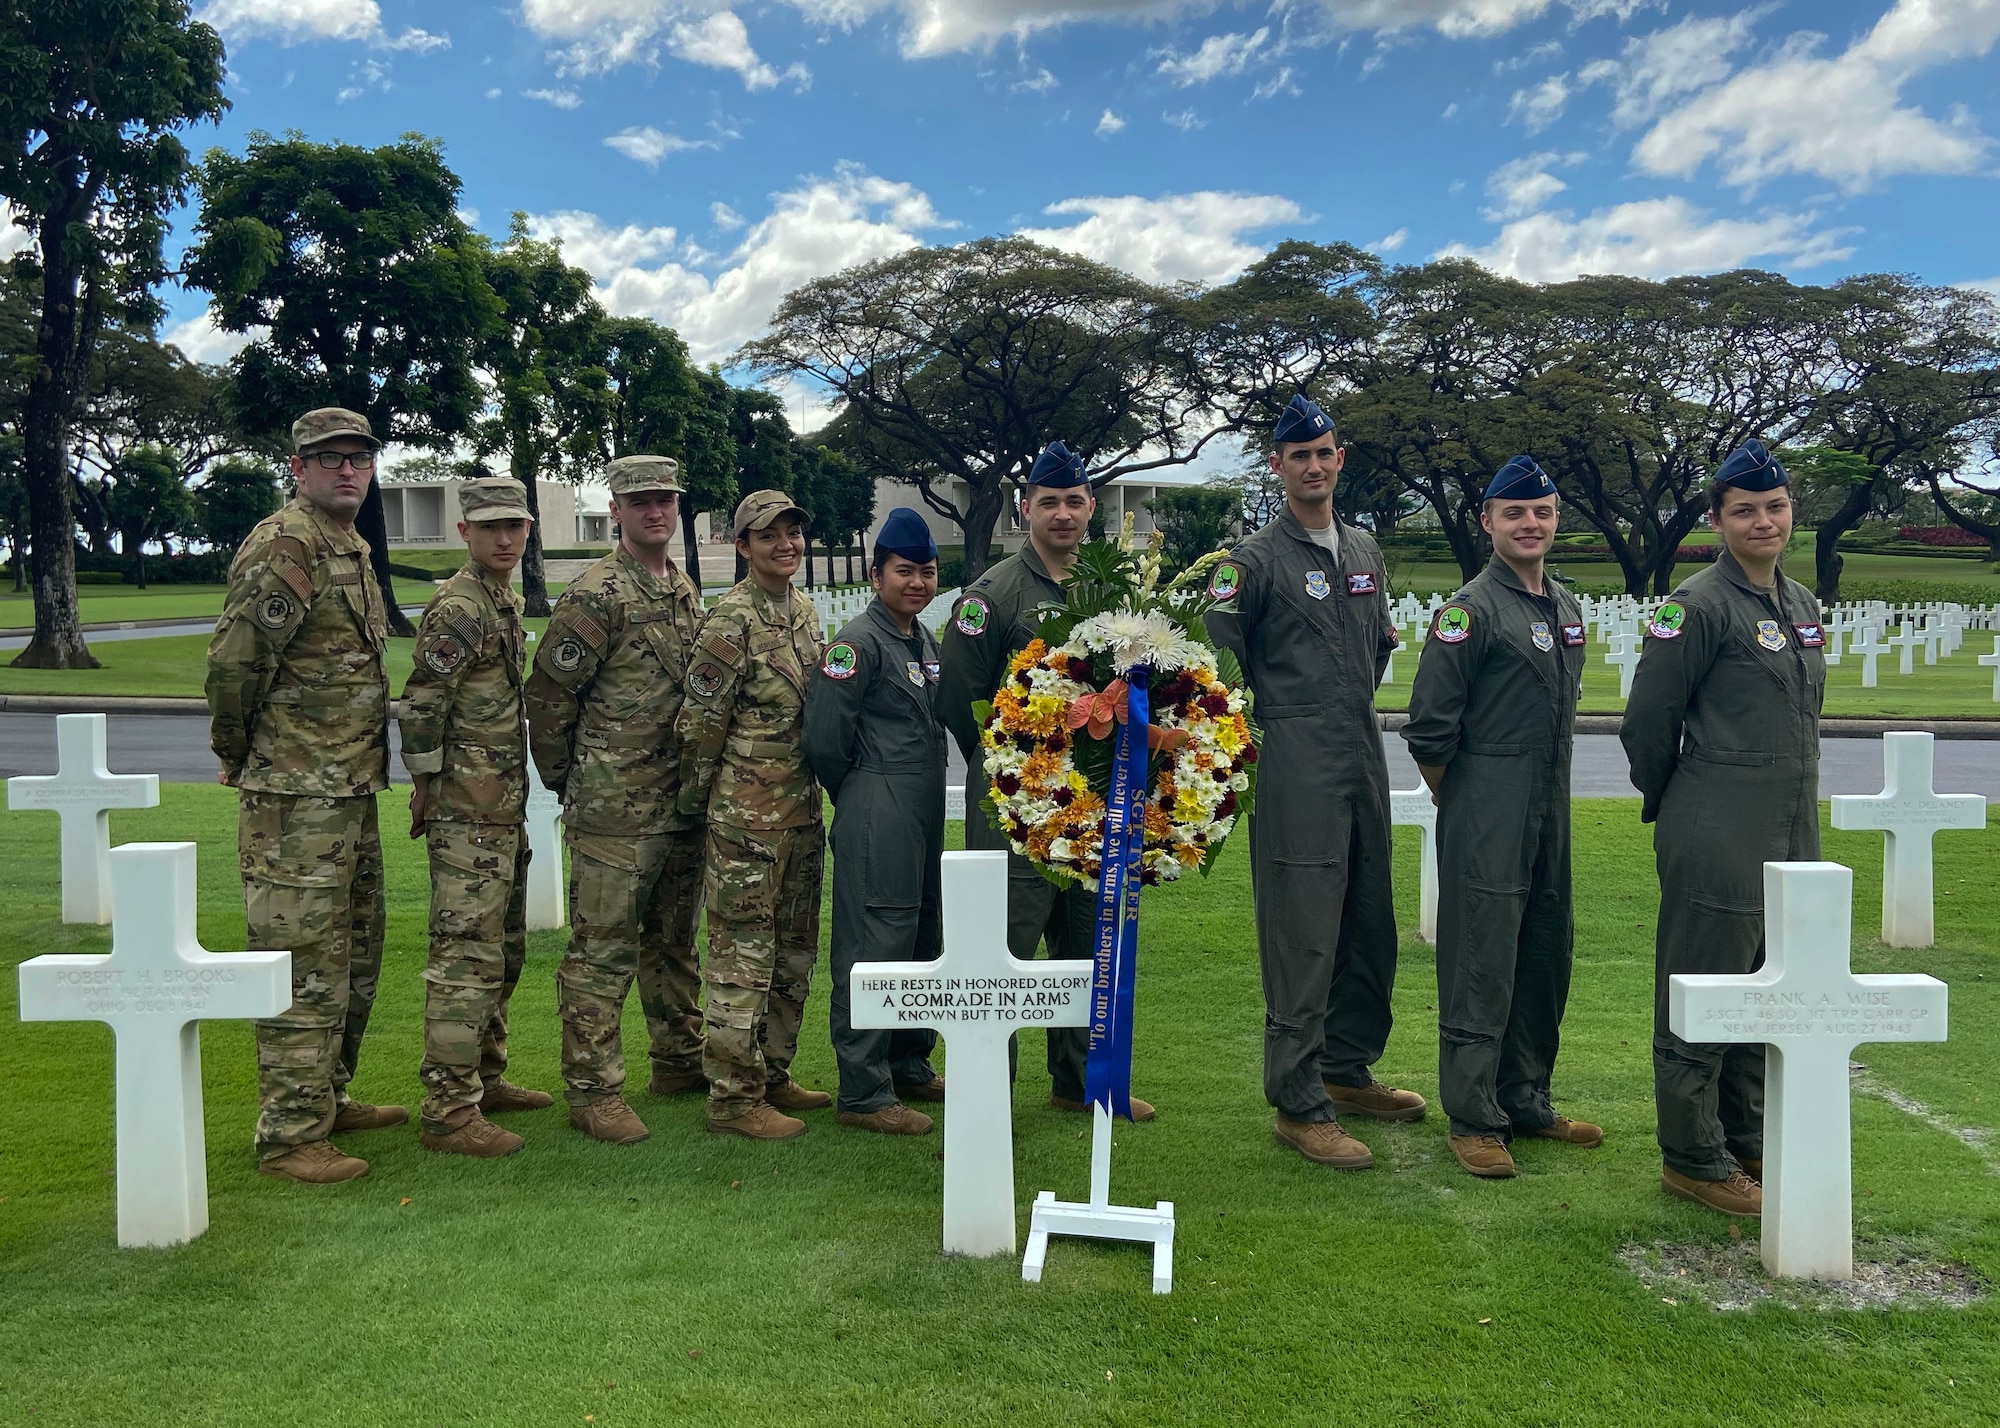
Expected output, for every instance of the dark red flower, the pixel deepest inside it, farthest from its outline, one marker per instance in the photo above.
(1222, 775)
(1063, 798)
(1249, 755)
(1226, 807)
(1058, 741)
(1216, 705)
(1007, 784)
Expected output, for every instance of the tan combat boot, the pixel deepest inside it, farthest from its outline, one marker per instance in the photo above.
(317, 1162)
(893, 1119)
(501, 1095)
(360, 1116)
(1569, 1132)
(1323, 1143)
(1483, 1155)
(1141, 1110)
(1377, 1101)
(761, 1122)
(931, 1090)
(609, 1119)
(666, 1084)
(789, 1095)
(1738, 1195)
(474, 1136)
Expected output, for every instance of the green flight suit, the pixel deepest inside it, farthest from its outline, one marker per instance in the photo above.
(1494, 705)
(1722, 731)
(875, 743)
(1313, 636)
(991, 623)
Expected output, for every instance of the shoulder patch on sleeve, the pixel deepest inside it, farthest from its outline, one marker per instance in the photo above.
(1667, 621)
(275, 610)
(442, 654)
(974, 613)
(586, 628)
(705, 679)
(290, 547)
(721, 646)
(466, 625)
(1224, 581)
(1453, 624)
(841, 661)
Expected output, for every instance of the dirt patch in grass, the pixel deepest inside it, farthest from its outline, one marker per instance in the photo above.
(1888, 1274)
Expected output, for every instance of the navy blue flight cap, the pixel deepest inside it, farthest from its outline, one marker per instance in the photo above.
(1519, 480)
(1057, 467)
(904, 533)
(1751, 468)
(1301, 420)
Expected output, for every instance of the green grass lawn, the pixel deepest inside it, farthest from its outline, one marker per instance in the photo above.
(108, 604)
(693, 1279)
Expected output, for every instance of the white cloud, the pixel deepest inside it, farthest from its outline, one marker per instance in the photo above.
(1546, 50)
(1109, 124)
(1188, 237)
(294, 21)
(1392, 242)
(1524, 185)
(724, 217)
(1185, 120)
(1219, 56)
(200, 340)
(13, 238)
(1840, 118)
(1280, 83)
(495, 92)
(1541, 105)
(561, 98)
(1653, 69)
(721, 41)
(1652, 238)
(1989, 286)
(1450, 111)
(814, 230)
(647, 145)
(602, 35)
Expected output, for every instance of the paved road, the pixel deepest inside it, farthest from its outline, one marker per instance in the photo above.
(176, 748)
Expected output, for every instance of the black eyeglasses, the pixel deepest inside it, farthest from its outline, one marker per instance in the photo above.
(334, 460)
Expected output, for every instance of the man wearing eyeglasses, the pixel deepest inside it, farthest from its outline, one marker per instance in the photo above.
(298, 701)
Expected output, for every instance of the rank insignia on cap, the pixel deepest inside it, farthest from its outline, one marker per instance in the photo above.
(1667, 621)
(1362, 582)
(1316, 585)
(915, 671)
(840, 661)
(1544, 641)
(1811, 637)
(567, 655)
(973, 612)
(444, 654)
(1572, 637)
(1454, 624)
(1224, 581)
(1769, 635)
(933, 670)
(273, 611)
(705, 679)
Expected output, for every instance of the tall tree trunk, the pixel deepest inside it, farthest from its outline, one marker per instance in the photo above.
(371, 523)
(1826, 540)
(62, 343)
(852, 541)
(690, 543)
(982, 515)
(831, 579)
(534, 573)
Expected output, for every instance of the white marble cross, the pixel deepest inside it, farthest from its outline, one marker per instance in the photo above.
(544, 903)
(1870, 647)
(154, 989)
(1412, 808)
(1908, 811)
(1812, 1012)
(977, 995)
(1624, 653)
(83, 791)
(1905, 644)
(1994, 661)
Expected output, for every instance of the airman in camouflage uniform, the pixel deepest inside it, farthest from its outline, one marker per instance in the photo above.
(298, 701)
(466, 748)
(743, 764)
(602, 699)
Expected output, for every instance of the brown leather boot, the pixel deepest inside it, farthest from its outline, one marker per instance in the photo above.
(317, 1162)
(665, 1084)
(609, 1119)
(1323, 1143)
(1141, 1110)
(1569, 1132)
(761, 1122)
(474, 1136)
(1483, 1155)
(931, 1090)
(789, 1095)
(893, 1119)
(1738, 1195)
(501, 1095)
(360, 1116)
(1377, 1101)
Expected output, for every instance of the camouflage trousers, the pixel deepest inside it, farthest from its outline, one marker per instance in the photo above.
(632, 905)
(312, 885)
(479, 942)
(763, 937)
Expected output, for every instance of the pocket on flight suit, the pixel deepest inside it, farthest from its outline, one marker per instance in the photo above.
(889, 883)
(604, 880)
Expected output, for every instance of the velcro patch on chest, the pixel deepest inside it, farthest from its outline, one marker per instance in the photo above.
(1362, 582)
(933, 670)
(1316, 584)
(1544, 641)
(1573, 637)
(1811, 636)
(914, 670)
(346, 577)
(1770, 635)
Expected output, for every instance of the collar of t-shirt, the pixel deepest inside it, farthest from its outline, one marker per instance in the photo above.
(1328, 539)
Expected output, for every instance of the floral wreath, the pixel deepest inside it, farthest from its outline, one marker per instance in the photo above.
(1048, 731)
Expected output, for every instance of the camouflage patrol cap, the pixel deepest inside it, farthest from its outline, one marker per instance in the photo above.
(642, 473)
(760, 508)
(326, 423)
(493, 498)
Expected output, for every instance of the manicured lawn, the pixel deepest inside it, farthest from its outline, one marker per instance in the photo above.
(694, 1279)
(108, 604)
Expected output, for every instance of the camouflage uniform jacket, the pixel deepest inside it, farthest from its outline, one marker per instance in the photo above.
(298, 695)
(462, 719)
(742, 729)
(603, 693)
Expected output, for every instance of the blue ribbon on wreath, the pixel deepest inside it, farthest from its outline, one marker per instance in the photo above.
(1107, 1076)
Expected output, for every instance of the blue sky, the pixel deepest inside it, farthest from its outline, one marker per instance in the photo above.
(701, 160)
